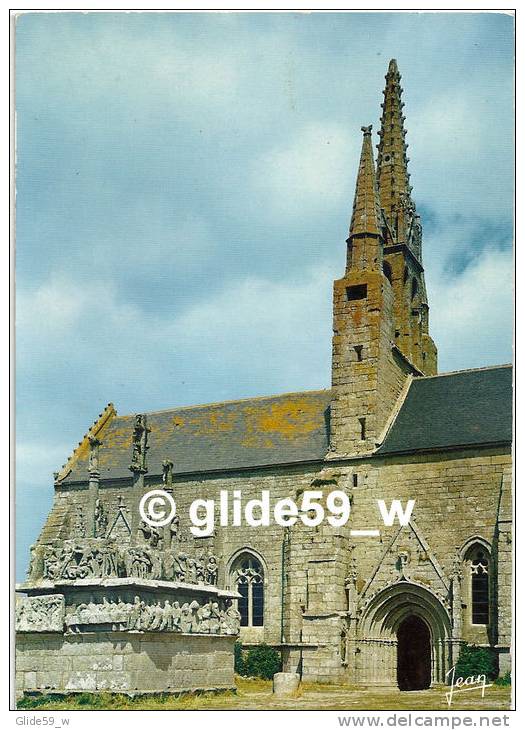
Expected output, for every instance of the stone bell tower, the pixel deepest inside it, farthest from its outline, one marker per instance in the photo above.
(380, 324)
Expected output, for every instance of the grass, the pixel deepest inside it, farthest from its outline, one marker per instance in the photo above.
(256, 694)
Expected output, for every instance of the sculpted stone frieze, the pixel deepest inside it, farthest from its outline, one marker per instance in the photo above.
(188, 618)
(74, 560)
(40, 613)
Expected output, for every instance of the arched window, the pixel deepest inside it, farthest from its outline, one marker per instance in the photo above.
(479, 575)
(248, 578)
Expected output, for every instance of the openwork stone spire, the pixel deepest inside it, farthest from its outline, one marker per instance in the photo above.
(392, 174)
(366, 212)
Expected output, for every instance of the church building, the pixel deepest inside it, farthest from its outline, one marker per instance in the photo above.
(366, 603)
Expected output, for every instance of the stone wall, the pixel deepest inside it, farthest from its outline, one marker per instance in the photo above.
(123, 662)
(460, 495)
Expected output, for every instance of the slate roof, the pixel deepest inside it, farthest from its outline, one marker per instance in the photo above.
(247, 433)
(467, 408)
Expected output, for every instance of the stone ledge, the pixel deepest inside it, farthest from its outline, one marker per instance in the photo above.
(47, 585)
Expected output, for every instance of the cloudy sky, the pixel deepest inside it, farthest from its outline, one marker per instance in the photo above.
(184, 189)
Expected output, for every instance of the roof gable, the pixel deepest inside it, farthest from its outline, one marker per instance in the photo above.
(466, 408)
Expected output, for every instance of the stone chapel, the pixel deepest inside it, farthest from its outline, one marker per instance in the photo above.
(340, 606)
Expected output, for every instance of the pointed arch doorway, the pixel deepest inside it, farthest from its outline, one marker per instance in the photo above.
(414, 655)
(404, 630)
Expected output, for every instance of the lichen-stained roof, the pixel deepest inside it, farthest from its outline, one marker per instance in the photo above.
(466, 408)
(221, 436)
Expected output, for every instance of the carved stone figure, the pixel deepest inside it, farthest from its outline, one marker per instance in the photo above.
(167, 474)
(204, 616)
(166, 622)
(191, 574)
(36, 563)
(94, 445)
(150, 534)
(156, 565)
(140, 445)
(232, 620)
(403, 559)
(211, 570)
(215, 618)
(174, 530)
(180, 566)
(168, 566)
(101, 519)
(200, 571)
(194, 615)
(185, 618)
(133, 623)
(177, 616)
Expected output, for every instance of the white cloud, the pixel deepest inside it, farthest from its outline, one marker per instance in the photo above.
(276, 333)
(40, 458)
(309, 174)
(187, 72)
(470, 313)
(259, 331)
(50, 310)
(438, 128)
(262, 325)
(461, 150)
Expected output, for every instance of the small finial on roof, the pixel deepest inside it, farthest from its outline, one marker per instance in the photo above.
(392, 66)
(367, 130)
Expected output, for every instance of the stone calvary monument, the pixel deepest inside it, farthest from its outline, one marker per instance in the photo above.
(109, 608)
(113, 603)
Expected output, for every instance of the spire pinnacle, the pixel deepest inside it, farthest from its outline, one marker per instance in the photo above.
(366, 212)
(392, 66)
(392, 173)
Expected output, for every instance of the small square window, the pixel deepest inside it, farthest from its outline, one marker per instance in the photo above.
(358, 291)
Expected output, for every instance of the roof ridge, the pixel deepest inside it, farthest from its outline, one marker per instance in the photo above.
(228, 402)
(466, 370)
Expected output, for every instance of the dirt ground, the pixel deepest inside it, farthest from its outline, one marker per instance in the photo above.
(257, 695)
